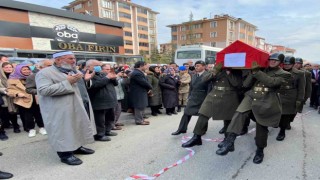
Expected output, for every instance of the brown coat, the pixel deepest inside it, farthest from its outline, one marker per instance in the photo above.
(15, 86)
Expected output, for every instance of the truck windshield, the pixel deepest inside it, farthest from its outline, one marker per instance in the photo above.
(195, 54)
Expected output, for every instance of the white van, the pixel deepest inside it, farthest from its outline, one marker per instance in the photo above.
(195, 53)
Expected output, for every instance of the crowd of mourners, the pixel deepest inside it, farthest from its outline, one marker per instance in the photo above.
(76, 103)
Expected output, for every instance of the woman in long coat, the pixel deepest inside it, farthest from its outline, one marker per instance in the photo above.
(155, 100)
(8, 108)
(170, 85)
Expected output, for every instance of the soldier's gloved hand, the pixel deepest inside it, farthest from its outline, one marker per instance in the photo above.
(299, 106)
(255, 67)
(217, 68)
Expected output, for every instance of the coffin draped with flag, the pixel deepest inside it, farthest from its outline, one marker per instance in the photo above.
(241, 55)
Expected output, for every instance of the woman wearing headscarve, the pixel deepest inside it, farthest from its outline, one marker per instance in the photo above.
(170, 85)
(27, 105)
(8, 110)
(155, 101)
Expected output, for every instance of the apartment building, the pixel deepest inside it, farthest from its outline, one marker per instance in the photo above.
(283, 49)
(219, 31)
(140, 23)
(165, 47)
(260, 43)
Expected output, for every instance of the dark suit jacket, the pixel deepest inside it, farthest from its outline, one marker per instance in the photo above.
(139, 87)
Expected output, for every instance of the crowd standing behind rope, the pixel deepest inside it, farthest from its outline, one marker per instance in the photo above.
(99, 93)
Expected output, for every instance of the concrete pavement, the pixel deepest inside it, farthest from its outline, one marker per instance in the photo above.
(148, 149)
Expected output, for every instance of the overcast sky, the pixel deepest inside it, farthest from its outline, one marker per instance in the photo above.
(292, 23)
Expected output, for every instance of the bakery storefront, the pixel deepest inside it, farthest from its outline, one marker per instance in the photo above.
(32, 31)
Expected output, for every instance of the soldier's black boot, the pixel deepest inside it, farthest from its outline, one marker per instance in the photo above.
(225, 127)
(258, 158)
(228, 146)
(5, 175)
(179, 109)
(281, 135)
(195, 140)
(224, 140)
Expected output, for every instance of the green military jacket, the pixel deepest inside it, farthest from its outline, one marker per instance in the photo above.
(291, 91)
(223, 100)
(263, 98)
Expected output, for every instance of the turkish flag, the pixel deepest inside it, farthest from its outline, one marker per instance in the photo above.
(241, 55)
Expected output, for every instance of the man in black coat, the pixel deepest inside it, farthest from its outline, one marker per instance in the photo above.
(315, 73)
(103, 98)
(198, 92)
(139, 90)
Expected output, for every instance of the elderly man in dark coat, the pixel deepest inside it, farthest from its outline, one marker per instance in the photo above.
(197, 94)
(103, 99)
(139, 90)
(262, 103)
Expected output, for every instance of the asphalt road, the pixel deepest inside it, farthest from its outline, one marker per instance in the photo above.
(149, 149)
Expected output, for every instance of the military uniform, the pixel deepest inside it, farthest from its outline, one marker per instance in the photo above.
(221, 102)
(308, 88)
(184, 88)
(262, 102)
(292, 94)
(198, 92)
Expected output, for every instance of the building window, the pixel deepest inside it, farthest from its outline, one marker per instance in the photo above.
(124, 5)
(242, 26)
(141, 10)
(126, 33)
(128, 25)
(126, 42)
(142, 19)
(196, 26)
(143, 36)
(231, 36)
(231, 24)
(242, 36)
(213, 44)
(143, 44)
(213, 34)
(250, 38)
(152, 24)
(129, 51)
(152, 40)
(89, 3)
(213, 24)
(174, 37)
(196, 36)
(143, 28)
(124, 15)
(107, 14)
(107, 4)
(174, 29)
(183, 28)
(183, 37)
(78, 6)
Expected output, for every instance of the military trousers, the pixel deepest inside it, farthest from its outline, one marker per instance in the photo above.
(285, 120)
(183, 99)
(239, 120)
(201, 125)
(184, 122)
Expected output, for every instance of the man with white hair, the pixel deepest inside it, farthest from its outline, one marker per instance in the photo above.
(66, 108)
(104, 99)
